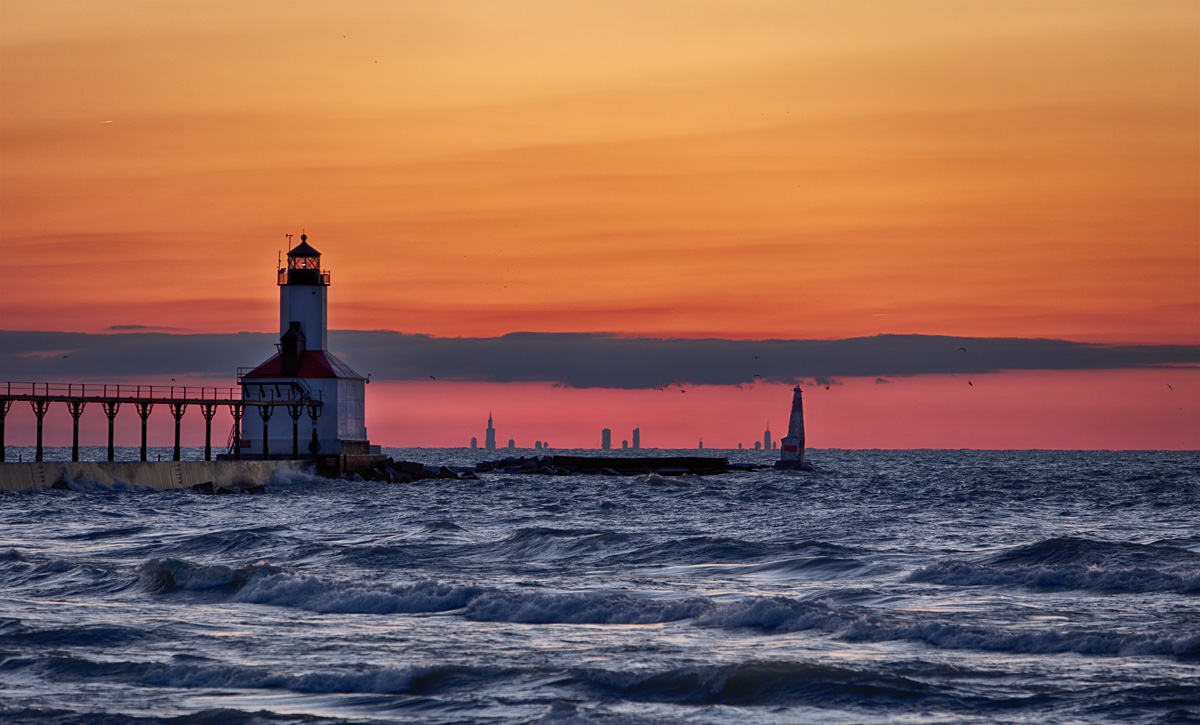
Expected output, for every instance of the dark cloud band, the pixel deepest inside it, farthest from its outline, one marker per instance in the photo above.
(582, 360)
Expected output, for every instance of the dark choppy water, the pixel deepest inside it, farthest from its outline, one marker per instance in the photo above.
(923, 586)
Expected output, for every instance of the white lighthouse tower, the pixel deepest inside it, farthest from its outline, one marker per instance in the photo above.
(791, 448)
(304, 369)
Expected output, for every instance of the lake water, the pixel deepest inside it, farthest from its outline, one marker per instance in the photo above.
(915, 586)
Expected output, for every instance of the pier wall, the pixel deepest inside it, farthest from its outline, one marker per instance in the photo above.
(161, 475)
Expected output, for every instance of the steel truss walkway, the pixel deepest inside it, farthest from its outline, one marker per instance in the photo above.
(294, 395)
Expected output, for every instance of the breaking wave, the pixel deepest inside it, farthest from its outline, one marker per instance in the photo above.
(1075, 563)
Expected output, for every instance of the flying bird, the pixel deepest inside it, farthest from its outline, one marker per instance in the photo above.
(432, 378)
(682, 390)
(970, 383)
(662, 389)
(1169, 386)
(758, 376)
(827, 387)
(962, 349)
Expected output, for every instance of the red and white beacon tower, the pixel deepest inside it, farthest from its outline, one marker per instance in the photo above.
(304, 368)
(791, 448)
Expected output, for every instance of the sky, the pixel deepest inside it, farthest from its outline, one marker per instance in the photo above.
(507, 191)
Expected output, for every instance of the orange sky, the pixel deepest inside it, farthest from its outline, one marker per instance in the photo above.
(761, 169)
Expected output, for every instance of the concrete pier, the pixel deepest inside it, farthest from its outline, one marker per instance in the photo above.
(164, 476)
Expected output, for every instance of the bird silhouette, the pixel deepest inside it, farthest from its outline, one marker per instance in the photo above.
(827, 387)
(758, 376)
(970, 383)
(683, 391)
(432, 378)
(1169, 386)
(662, 389)
(962, 349)
(66, 356)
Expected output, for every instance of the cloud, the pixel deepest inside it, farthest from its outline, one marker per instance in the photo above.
(580, 360)
(142, 328)
(27, 356)
(882, 381)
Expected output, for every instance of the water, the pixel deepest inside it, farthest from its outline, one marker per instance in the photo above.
(918, 586)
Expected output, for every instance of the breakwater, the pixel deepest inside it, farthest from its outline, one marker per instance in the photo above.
(613, 465)
(159, 475)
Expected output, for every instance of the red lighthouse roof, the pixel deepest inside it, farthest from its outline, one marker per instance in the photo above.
(313, 364)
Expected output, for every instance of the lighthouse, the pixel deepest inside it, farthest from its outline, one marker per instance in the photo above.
(303, 369)
(791, 448)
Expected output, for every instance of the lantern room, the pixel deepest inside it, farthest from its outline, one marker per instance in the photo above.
(303, 266)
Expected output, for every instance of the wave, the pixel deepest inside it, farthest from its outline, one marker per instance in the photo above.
(415, 679)
(264, 584)
(57, 577)
(169, 575)
(551, 543)
(773, 614)
(702, 550)
(538, 608)
(959, 637)
(13, 632)
(1070, 550)
(106, 533)
(321, 595)
(754, 683)
(1075, 563)
(225, 716)
(961, 573)
(812, 567)
(246, 542)
(434, 526)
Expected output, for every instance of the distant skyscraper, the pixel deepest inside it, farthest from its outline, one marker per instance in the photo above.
(511, 444)
(537, 445)
(767, 438)
(489, 441)
(739, 446)
(624, 445)
(637, 438)
(758, 445)
(605, 439)
(474, 442)
(701, 446)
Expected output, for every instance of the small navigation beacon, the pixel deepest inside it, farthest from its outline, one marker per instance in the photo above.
(791, 448)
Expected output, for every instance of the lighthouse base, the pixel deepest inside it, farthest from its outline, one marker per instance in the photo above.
(793, 466)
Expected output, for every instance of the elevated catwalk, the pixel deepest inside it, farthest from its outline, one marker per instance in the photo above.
(293, 395)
